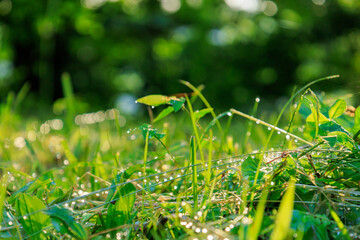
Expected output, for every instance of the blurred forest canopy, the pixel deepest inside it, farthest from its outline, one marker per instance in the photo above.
(114, 48)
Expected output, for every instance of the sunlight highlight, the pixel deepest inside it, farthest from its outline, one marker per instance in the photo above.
(244, 5)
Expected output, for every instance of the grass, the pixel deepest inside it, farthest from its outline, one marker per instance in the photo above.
(205, 178)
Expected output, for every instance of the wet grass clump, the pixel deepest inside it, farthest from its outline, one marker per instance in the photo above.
(188, 173)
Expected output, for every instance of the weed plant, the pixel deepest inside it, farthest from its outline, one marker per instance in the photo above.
(189, 173)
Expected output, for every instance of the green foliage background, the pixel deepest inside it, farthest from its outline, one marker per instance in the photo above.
(138, 47)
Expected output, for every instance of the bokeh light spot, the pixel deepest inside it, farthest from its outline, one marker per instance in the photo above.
(244, 5)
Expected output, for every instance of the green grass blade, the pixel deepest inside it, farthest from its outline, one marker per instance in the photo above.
(340, 225)
(117, 125)
(193, 121)
(283, 217)
(194, 168)
(69, 98)
(189, 85)
(250, 124)
(3, 186)
(71, 157)
(21, 96)
(256, 226)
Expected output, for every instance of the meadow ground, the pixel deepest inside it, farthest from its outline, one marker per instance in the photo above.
(188, 173)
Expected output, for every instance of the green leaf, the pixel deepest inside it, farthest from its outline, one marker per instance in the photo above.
(341, 137)
(164, 113)
(312, 226)
(55, 194)
(152, 131)
(249, 168)
(30, 187)
(284, 216)
(333, 126)
(199, 114)
(34, 220)
(337, 109)
(64, 222)
(312, 119)
(154, 100)
(126, 201)
(62, 197)
(120, 209)
(177, 103)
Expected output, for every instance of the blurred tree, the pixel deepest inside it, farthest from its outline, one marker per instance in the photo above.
(237, 48)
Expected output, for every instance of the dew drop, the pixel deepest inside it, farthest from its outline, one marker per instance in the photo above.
(269, 128)
(229, 114)
(257, 99)
(257, 122)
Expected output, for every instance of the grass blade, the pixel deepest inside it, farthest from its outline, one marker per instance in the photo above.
(193, 160)
(3, 186)
(283, 218)
(69, 98)
(256, 226)
(197, 92)
(340, 225)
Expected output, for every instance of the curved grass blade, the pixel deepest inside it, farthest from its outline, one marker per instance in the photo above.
(197, 92)
(65, 223)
